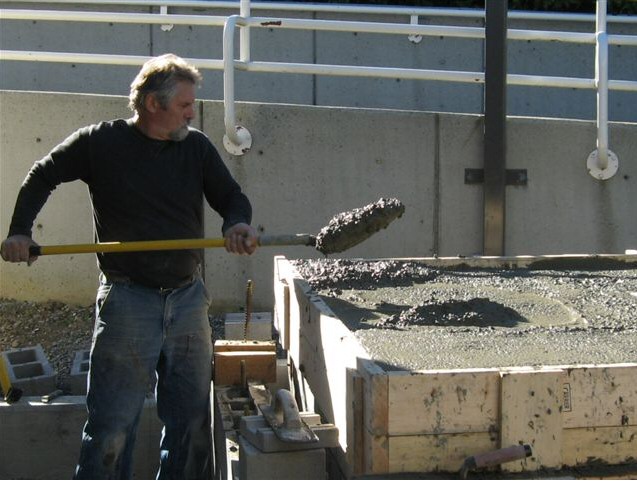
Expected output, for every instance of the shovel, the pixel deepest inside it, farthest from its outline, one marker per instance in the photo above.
(344, 230)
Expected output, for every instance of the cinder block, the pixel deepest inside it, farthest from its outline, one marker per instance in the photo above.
(29, 370)
(256, 430)
(42, 441)
(79, 372)
(255, 464)
(259, 328)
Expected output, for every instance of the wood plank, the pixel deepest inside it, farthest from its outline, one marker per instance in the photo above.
(282, 300)
(375, 420)
(355, 455)
(433, 453)
(286, 317)
(597, 396)
(235, 346)
(612, 445)
(437, 402)
(327, 350)
(530, 414)
(259, 366)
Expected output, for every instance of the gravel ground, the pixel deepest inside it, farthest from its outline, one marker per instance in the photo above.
(61, 329)
(411, 317)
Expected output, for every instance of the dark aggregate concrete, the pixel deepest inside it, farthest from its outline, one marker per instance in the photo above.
(347, 229)
(412, 317)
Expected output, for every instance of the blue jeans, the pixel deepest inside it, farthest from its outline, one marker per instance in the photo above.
(147, 338)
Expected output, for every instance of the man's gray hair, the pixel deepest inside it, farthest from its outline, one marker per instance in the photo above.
(159, 76)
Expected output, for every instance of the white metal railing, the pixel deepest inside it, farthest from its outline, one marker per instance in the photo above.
(338, 8)
(602, 163)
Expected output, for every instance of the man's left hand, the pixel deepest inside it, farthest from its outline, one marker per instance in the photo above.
(241, 239)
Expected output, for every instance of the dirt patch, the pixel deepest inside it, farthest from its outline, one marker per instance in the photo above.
(61, 329)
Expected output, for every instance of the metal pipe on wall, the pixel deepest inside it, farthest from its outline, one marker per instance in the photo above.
(602, 164)
(237, 139)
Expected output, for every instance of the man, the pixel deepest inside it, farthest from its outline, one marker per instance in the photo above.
(147, 178)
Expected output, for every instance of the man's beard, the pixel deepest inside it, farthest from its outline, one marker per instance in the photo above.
(180, 134)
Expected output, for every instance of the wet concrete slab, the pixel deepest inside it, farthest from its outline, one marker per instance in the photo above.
(409, 316)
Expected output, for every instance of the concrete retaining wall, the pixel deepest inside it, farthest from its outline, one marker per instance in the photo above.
(309, 163)
(322, 47)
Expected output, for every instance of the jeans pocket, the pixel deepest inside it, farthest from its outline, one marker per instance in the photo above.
(205, 292)
(104, 294)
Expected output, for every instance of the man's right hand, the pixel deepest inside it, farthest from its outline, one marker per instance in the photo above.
(16, 249)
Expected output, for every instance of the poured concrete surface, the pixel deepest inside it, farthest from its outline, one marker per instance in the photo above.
(412, 317)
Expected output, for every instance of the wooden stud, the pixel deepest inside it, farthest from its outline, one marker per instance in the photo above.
(376, 432)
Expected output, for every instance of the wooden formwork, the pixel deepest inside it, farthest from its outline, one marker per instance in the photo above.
(427, 421)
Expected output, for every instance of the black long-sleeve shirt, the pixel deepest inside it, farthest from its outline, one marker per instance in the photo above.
(140, 189)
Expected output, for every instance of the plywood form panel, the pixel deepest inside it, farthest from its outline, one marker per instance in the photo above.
(437, 402)
(611, 445)
(603, 395)
(432, 453)
(531, 414)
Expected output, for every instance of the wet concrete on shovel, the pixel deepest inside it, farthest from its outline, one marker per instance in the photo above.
(412, 317)
(350, 228)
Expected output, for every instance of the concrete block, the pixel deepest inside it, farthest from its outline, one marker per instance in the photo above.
(282, 377)
(42, 441)
(255, 464)
(79, 372)
(256, 430)
(259, 329)
(29, 370)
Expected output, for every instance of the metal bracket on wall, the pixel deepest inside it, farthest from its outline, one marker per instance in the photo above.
(413, 20)
(166, 27)
(515, 177)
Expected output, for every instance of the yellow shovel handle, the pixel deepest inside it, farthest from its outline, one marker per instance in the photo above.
(163, 245)
(133, 246)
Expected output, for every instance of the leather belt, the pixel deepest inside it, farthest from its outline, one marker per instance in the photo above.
(122, 279)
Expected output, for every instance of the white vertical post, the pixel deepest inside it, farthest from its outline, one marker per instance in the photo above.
(602, 163)
(601, 81)
(244, 32)
(237, 139)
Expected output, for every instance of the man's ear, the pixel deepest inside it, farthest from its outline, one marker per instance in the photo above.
(151, 104)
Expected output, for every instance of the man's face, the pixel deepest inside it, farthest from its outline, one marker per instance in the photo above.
(173, 120)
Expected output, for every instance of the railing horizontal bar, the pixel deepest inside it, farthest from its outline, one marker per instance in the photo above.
(623, 85)
(627, 40)
(96, 58)
(363, 27)
(309, 24)
(550, 35)
(322, 69)
(360, 71)
(547, 81)
(335, 8)
(114, 17)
